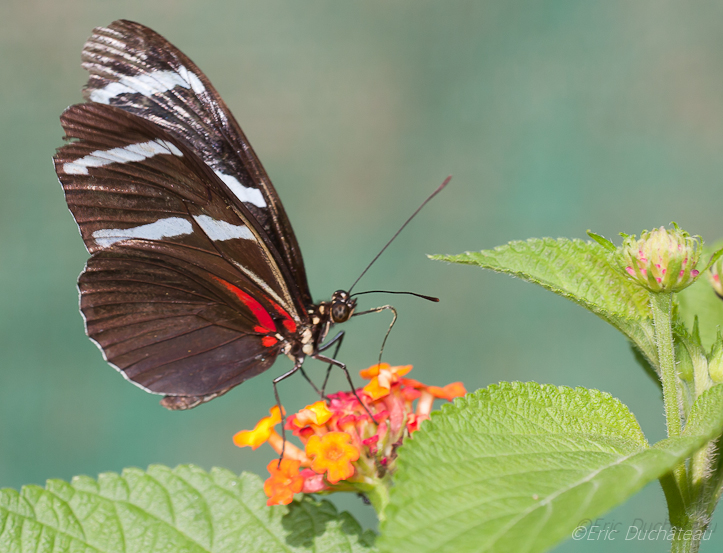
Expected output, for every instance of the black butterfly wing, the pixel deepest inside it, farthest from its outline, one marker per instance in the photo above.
(134, 68)
(184, 292)
(166, 327)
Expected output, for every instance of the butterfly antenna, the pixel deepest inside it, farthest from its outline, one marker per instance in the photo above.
(428, 298)
(432, 195)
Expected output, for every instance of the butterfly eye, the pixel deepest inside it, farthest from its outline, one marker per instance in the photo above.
(341, 311)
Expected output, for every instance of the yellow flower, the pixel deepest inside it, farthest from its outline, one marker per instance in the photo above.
(316, 413)
(261, 432)
(332, 454)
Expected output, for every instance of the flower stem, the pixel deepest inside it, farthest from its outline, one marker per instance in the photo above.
(662, 307)
(661, 304)
(378, 496)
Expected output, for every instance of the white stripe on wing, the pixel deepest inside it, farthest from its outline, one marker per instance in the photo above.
(126, 154)
(148, 84)
(221, 230)
(163, 228)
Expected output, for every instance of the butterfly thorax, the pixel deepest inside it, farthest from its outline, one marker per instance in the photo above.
(322, 316)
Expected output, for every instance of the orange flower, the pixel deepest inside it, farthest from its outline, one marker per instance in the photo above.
(316, 413)
(333, 454)
(448, 392)
(382, 377)
(375, 370)
(376, 390)
(346, 444)
(284, 482)
(261, 432)
(411, 383)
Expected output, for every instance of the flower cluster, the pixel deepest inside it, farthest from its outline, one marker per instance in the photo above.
(662, 260)
(344, 448)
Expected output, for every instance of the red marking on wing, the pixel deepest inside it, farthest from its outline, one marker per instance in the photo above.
(268, 341)
(288, 322)
(265, 320)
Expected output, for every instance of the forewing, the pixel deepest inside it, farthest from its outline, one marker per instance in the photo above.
(183, 292)
(136, 69)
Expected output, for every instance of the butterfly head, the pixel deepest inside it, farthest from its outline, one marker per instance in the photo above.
(342, 306)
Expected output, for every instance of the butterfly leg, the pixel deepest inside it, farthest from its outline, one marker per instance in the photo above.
(338, 339)
(276, 380)
(342, 366)
(394, 320)
(306, 376)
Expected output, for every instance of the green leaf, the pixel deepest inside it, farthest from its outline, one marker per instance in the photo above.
(183, 509)
(706, 415)
(517, 467)
(713, 258)
(700, 300)
(604, 242)
(584, 272)
(691, 363)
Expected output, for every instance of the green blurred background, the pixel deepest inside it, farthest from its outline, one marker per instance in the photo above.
(554, 117)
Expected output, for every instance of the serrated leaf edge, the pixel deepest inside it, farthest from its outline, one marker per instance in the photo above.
(152, 517)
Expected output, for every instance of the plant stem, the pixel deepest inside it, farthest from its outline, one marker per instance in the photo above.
(687, 538)
(680, 544)
(378, 494)
(676, 507)
(699, 468)
(661, 304)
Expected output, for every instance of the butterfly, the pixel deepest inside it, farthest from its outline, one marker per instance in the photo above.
(196, 281)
